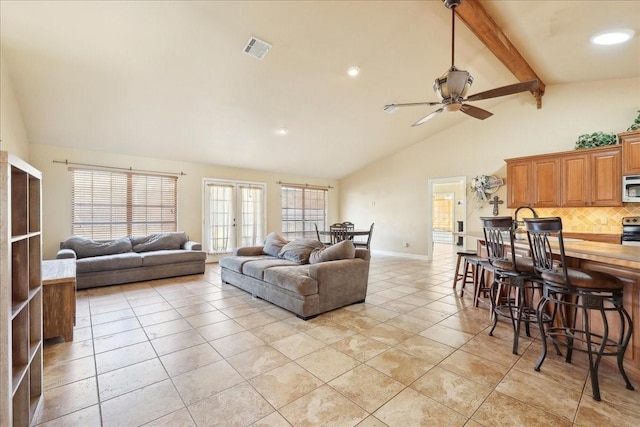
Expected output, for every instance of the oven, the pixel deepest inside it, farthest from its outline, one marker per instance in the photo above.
(631, 231)
(631, 188)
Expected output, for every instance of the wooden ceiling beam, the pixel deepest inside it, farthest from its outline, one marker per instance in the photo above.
(485, 28)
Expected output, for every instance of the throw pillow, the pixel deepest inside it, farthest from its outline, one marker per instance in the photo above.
(299, 250)
(85, 248)
(273, 243)
(341, 250)
(159, 241)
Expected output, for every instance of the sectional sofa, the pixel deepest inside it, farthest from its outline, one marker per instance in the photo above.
(302, 276)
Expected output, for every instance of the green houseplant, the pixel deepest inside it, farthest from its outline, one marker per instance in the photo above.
(596, 139)
(636, 123)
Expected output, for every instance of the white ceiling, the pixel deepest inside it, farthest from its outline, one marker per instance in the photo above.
(169, 80)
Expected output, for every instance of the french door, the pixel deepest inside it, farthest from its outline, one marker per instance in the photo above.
(234, 215)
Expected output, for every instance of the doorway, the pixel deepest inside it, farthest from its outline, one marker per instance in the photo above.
(447, 199)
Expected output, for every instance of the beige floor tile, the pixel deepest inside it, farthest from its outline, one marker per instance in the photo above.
(387, 334)
(402, 367)
(175, 342)
(125, 356)
(167, 328)
(273, 331)
(111, 328)
(143, 310)
(323, 406)
(297, 345)
(409, 323)
(371, 421)
(285, 384)
(377, 313)
(206, 318)
(188, 359)
(431, 351)
(327, 363)
(468, 325)
(186, 302)
(239, 310)
(237, 406)
(108, 307)
(448, 336)
(192, 310)
(82, 333)
(367, 387)
(220, 329)
(274, 419)
(139, 301)
(122, 339)
(257, 361)
(68, 372)
(142, 405)
(206, 381)
(428, 315)
(475, 368)
(236, 343)
(84, 417)
(254, 320)
(179, 418)
(360, 347)
(112, 316)
(452, 390)
(68, 398)
(132, 377)
(603, 413)
(159, 317)
(502, 410)
(410, 408)
(498, 348)
(330, 332)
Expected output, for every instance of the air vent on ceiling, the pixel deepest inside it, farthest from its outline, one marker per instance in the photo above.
(257, 48)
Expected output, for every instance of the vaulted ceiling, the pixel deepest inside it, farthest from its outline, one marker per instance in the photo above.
(168, 79)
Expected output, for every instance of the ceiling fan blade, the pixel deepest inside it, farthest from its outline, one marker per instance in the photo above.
(410, 104)
(476, 112)
(428, 117)
(505, 90)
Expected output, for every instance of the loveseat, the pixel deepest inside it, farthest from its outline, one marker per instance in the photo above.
(132, 259)
(302, 276)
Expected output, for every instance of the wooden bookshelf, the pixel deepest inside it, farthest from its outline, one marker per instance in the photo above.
(20, 292)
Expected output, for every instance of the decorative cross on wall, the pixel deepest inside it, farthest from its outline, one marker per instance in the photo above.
(495, 202)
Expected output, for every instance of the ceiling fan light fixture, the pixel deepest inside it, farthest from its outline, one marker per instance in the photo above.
(454, 106)
(454, 84)
(612, 37)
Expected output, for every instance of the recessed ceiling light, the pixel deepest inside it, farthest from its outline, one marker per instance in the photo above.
(612, 37)
(282, 131)
(353, 71)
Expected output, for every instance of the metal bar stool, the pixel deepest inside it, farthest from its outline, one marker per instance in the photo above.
(576, 290)
(515, 281)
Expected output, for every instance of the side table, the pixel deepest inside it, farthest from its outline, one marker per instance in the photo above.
(59, 298)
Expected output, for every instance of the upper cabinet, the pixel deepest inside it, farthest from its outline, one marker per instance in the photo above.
(630, 152)
(574, 178)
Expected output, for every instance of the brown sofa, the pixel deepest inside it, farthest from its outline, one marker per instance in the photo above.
(337, 276)
(133, 259)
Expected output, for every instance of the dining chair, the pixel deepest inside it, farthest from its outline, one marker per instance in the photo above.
(326, 243)
(338, 232)
(366, 244)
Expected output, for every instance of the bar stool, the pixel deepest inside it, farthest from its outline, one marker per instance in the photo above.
(468, 270)
(515, 281)
(575, 290)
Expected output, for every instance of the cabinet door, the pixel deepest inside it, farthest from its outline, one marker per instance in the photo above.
(606, 185)
(576, 182)
(546, 182)
(519, 175)
(630, 153)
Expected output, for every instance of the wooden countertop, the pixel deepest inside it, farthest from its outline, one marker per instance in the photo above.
(606, 253)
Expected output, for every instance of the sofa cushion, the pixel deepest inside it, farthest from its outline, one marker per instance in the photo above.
(295, 279)
(109, 262)
(299, 250)
(235, 263)
(159, 241)
(84, 247)
(171, 257)
(341, 250)
(273, 244)
(256, 267)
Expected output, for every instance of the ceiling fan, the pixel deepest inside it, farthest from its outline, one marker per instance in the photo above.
(452, 87)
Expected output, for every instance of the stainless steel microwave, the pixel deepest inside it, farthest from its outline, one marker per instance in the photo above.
(631, 188)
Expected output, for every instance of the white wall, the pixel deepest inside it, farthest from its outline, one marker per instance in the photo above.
(393, 191)
(56, 194)
(13, 136)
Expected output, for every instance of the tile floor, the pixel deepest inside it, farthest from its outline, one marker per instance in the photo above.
(191, 352)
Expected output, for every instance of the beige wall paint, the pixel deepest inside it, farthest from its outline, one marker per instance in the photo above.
(56, 192)
(393, 191)
(13, 136)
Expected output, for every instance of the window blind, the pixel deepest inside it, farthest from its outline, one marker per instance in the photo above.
(108, 205)
(302, 207)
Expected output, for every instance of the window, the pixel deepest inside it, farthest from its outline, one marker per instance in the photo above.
(234, 215)
(302, 207)
(108, 205)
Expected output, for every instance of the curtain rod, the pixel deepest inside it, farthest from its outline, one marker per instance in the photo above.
(327, 187)
(129, 169)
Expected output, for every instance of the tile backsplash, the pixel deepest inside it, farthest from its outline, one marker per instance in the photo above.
(591, 220)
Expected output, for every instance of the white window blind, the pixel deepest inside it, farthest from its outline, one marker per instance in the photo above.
(302, 207)
(108, 205)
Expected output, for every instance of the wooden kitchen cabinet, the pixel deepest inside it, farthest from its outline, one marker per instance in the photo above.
(591, 177)
(630, 152)
(533, 181)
